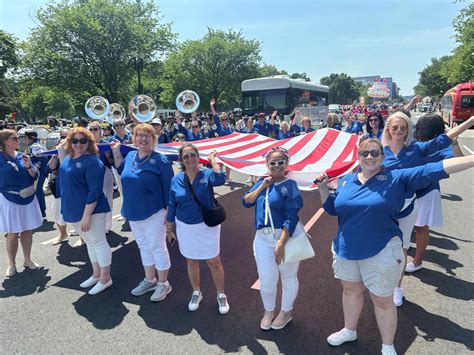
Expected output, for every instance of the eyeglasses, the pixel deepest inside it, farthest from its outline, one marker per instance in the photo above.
(190, 156)
(195, 126)
(373, 120)
(119, 125)
(143, 135)
(82, 141)
(94, 129)
(16, 139)
(223, 119)
(279, 163)
(365, 153)
(398, 128)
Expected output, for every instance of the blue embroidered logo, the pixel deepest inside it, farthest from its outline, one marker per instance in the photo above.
(13, 165)
(202, 181)
(409, 154)
(152, 161)
(284, 190)
(344, 183)
(381, 177)
(79, 165)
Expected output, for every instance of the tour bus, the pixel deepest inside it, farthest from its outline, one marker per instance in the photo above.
(286, 96)
(457, 104)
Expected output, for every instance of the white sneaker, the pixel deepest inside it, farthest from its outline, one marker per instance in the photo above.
(144, 286)
(412, 268)
(222, 303)
(388, 350)
(91, 281)
(342, 336)
(196, 298)
(398, 296)
(162, 290)
(99, 287)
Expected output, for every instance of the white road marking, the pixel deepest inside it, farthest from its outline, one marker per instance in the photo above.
(470, 151)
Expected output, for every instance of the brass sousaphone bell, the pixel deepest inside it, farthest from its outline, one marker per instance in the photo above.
(187, 101)
(117, 112)
(142, 108)
(97, 108)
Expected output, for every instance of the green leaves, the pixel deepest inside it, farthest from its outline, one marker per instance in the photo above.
(342, 88)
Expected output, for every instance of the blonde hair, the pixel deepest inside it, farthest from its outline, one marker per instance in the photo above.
(332, 119)
(306, 118)
(91, 147)
(366, 142)
(387, 137)
(147, 128)
(4, 136)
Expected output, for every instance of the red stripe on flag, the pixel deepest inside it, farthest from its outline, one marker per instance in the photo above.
(320, 150)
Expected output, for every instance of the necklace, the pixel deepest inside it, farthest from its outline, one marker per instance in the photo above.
(136, 165)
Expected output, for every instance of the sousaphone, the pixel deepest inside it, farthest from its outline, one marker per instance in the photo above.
(187, 101)
(142, 108)
(97, 108)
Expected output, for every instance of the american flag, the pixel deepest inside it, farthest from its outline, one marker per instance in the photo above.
(325, 150)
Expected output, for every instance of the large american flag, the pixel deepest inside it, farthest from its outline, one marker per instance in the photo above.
(326, 149)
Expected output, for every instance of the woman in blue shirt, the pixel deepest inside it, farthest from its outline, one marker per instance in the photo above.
(146, 179)
(304, 128)
(83, 202)
(19, 208)
(333, 121)
(401, 152)
(368, 246)
(285, 202)
(197, 241)
(374, 125)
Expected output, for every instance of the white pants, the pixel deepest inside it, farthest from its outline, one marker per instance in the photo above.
(117, 180)
(150, 235)
(56, 208)
(109, 193)
(97, 247)
(269, 271)
(407, 224)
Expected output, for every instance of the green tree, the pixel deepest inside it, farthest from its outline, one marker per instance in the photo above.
(270, 70)
(460, 66)
(86, 47)
(9, 62)
(213, 67)
(303, 76)
(342, 88)
(8, 53)
(34, 103)
(432, 82)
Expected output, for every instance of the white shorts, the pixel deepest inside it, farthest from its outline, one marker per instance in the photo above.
(198, 241)
(15, 218)
(379, 274)
(57, 216)
(430, 211)
(407, 224)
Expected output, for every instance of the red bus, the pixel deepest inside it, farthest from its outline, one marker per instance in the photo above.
(457, 104)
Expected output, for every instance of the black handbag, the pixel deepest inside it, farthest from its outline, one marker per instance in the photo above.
(52, 185)
(212, 217)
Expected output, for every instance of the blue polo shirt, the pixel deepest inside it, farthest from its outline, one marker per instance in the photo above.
(221, 130)
(282, 135)
(146, 184)
(299, 129)
(82, 181)
(355, 127)
(441, 155)
(189, 135)
(14, 177)
(182, 205)
(368, 213)
(126, 137)
(264, 129)
(285, 202)
(163, 138)
(248, 131)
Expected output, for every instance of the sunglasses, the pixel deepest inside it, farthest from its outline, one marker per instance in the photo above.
(119, 125)
(398, 128)
(16, 139)
(94, 129)
(365, 153)
(373, 120)
(275, 163)
(189, 156)
(82, 141)
(195, 126)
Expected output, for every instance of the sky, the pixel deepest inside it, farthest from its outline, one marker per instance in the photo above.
(359, 37)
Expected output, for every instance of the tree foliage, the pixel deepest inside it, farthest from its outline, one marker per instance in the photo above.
(85, 47)
(342, 88)
(270, 70)
(432, 82)
(213, 67)
(8, 53)
(303, 76)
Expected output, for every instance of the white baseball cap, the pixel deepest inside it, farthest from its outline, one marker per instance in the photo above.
(156, 121)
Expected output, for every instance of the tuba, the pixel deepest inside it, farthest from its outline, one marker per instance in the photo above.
(142, 108)
(187, 101)
(97, 108)
(117, 112)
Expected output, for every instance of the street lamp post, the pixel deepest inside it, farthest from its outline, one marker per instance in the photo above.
(138, 62)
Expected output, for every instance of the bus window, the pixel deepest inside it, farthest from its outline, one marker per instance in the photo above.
(467, 101)
(276, 99)
(252, 100)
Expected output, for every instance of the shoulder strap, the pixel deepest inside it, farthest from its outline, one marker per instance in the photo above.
(190, 186)
(268, 212)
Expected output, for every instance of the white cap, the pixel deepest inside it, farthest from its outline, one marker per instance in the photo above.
(156, 121)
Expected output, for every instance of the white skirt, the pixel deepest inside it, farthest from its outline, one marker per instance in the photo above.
(198, 241)
(407, 224)
(56, 208)
(430, 211)
(16, 218)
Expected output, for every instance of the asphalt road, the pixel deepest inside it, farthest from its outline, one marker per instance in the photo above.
(45, 311)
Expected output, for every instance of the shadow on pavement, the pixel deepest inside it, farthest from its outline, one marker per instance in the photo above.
(317, 312)
(25, 283)
(441, 259)
(450, 237)
(47, 226)
(451, 197)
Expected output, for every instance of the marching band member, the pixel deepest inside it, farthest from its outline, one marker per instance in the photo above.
(120, 133)
(84, 203)
(194, 135)
(53, 165)
(162, 137)
(19, 209)
(367, 251)
(197, 241)
(262, 126)
(223, 129)
(108, 161)
(285, 201)
(146, 179)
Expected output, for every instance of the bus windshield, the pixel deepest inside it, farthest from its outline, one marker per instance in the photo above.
(276, 99)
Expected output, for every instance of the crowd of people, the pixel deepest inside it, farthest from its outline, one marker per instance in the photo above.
(394, 190)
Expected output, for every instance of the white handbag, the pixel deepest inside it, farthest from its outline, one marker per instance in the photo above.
(298, 246)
